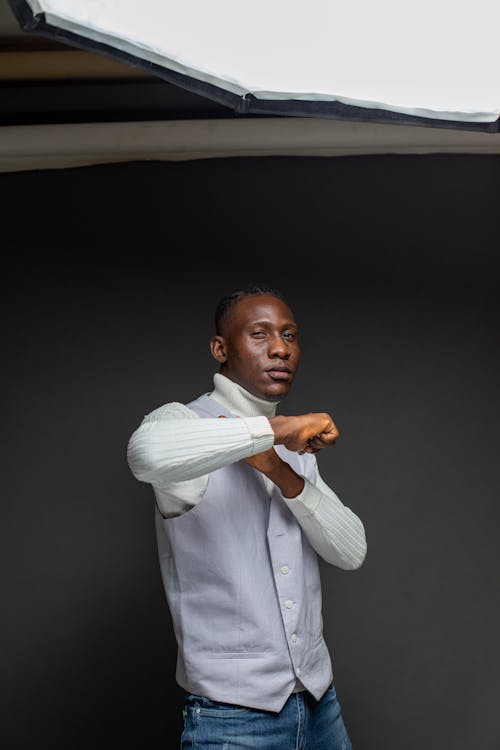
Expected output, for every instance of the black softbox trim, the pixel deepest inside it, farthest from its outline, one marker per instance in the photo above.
(241, 105)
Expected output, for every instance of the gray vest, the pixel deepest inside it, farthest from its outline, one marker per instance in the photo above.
(243, 588)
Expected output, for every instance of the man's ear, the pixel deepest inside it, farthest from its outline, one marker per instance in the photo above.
(218, 349)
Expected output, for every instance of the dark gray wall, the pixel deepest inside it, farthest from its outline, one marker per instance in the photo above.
(110, 278)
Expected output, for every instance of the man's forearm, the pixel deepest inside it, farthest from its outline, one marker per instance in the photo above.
(166, 448)
(334, 531)
(174, 450)
(289, 482)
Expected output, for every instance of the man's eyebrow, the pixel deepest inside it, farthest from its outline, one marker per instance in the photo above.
(268, 322)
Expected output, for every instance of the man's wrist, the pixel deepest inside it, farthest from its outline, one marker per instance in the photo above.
(283, 476)
(280, 428)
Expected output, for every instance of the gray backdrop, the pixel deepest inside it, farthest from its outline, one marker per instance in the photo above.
(111, 276)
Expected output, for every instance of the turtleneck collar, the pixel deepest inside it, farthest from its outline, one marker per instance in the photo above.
(239, 401)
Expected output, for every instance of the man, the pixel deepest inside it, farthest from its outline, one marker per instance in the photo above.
(241, 516)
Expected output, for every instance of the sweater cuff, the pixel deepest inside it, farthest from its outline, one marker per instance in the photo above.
(260, 431)
(305, 503)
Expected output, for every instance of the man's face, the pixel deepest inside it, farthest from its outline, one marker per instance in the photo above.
(258, 346)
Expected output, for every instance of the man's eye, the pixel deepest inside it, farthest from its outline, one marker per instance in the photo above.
(289, 336)
(258, 333)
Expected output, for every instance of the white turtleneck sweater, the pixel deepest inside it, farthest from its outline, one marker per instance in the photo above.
(175, 450)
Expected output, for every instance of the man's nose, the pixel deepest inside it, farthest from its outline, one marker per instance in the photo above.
(278, 347)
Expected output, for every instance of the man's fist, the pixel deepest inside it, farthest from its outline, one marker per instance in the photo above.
(307, 433)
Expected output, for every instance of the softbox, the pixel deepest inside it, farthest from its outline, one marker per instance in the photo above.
(432, 63)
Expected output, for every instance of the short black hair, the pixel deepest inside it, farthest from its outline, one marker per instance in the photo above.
(227, 302)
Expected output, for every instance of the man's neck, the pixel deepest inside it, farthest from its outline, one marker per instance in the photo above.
(238, 400)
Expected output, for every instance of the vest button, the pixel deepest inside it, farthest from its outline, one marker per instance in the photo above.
(298, 671)
(288, 604)
(285, 569)
(294, 637)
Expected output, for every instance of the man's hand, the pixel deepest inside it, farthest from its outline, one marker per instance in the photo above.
(307, 433)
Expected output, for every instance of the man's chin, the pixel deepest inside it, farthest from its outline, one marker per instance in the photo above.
(275, 397)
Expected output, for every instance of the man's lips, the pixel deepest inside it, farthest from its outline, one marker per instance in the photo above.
(279, 372)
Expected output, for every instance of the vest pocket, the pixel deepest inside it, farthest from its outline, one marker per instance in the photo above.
(239, 655)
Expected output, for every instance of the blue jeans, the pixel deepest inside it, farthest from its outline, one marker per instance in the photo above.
(302, 724)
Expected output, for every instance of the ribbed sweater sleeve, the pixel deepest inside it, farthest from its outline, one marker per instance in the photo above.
(333, 530)
(173, 445)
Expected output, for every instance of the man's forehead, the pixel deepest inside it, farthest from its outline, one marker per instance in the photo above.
(261, 308)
